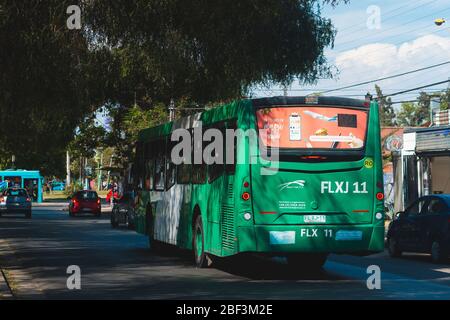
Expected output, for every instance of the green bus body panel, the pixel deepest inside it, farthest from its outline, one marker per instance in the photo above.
(350, 224)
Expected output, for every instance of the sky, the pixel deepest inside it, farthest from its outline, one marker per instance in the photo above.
(405, 39)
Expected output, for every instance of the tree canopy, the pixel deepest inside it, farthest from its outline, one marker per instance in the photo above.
(145, 52)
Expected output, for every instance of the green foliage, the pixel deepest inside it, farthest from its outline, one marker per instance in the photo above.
(412, 114)
(126, 124)
(387, 113)
(142, 51)
(88, 138)
(445, 99)
(72, 188)
(210, 51)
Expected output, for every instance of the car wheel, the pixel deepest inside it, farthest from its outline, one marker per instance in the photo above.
(202, 259)
(114, 222)
(393, 248)
(130, 224)
(438, 253)
(307, 261)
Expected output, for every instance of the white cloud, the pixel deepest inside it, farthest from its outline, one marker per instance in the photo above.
(379, 60)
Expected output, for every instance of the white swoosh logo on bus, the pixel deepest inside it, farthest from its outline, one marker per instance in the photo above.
(296, 183)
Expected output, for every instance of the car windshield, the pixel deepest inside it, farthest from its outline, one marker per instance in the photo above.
(87, 195)
(16, 192)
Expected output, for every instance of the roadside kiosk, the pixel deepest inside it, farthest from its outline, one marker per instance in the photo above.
(30, 180)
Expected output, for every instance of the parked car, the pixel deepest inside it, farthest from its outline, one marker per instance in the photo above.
(423, 227)
(123, 211)
(58, 186)
(15, 200)
(84, 202)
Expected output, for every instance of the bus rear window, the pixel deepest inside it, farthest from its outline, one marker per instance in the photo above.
(306, 127)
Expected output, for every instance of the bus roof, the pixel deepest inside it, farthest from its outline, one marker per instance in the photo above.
(231, 110)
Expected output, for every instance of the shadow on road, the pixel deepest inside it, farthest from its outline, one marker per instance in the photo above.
(249, 266)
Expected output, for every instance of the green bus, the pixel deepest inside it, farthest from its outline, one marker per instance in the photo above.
(322, 193)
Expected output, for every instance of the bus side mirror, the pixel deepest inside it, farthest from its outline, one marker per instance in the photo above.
(399, 214)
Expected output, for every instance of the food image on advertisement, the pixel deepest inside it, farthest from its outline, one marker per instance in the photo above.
(312, 127)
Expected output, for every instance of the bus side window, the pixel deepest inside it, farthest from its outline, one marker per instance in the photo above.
(231, 167)
(216, 169)
(159, 165)
(184, 170)
(199, 170)
(170, 166)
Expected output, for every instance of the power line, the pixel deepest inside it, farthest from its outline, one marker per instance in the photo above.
(387, 15)
(388, 29)
(386, 78)
(418, 88)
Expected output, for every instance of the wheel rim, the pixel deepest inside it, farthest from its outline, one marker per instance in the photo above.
(198, 243)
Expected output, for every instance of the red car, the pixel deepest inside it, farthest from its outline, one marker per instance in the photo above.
(85, 201)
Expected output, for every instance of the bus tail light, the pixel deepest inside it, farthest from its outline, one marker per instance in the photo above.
(245, 196)
(380, 196)
(246, 184)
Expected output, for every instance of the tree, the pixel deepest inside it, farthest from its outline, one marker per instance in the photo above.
(408, 115)
(203, 52)
(145, 52)
(387, 113)
(445, 99)
(125, 126)
(422, 114)
(49, 79)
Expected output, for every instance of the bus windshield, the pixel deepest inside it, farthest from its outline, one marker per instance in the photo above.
(312, 127)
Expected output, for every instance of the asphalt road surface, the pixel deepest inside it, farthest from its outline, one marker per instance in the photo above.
(117, 264)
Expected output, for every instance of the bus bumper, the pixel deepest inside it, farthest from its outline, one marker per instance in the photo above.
(357, 239)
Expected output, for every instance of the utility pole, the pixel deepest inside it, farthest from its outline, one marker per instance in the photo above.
(285, 91)
(172, 110)
(99, 176)
(67, 168)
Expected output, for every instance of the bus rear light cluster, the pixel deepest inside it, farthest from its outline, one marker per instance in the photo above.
(380, 196)
(245, 196)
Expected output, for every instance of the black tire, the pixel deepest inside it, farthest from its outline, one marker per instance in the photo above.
(130, 224)
(393, 248)
(154, 245)
(28, 215)
(201, 258)
(114, 223)
(438, 253)
(307, 261)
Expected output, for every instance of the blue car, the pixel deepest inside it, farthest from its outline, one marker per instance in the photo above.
(58, 186)
(423, 227)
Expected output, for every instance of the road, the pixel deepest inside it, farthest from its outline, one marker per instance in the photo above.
(117, 264)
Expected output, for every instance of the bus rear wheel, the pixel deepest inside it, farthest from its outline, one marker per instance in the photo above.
(202, 259)
(307, 261)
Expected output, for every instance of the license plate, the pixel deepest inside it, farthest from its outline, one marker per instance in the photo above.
(86, 210)
(315, 219)
(282, 237)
